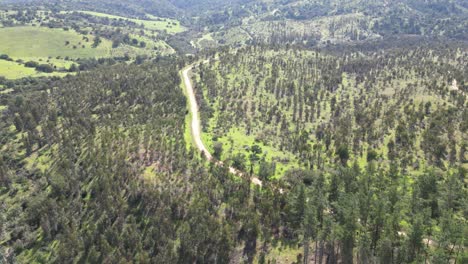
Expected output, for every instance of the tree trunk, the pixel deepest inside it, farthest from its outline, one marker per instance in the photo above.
(306, 251)
(321, 252)
(315, 252)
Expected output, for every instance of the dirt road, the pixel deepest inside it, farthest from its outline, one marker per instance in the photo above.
(196, 127)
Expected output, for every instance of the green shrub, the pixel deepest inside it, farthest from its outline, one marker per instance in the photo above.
(31, 64)
(45, 68)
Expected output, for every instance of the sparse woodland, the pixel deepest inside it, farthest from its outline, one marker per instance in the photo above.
(378, 139)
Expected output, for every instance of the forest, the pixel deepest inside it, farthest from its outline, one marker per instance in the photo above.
(335, 131)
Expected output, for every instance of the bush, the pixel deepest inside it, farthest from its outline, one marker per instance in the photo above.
(31, 64)
(73, 68)
(372, 155)
(115, 43)
(45, 68)
(140, 59)
(4, 57)
(217, 150)
(343, 154)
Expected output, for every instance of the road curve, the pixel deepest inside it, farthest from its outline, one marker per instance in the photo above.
(196, 127)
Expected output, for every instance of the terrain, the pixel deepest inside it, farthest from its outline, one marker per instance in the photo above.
(63, 41)
(213, 131)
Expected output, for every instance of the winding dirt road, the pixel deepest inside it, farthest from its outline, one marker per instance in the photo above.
(196, 127)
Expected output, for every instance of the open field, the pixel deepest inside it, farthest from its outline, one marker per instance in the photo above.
(41, 44)
(27, 42)
(45, 46)
(170, 25)
(60, 49)
(14, 70)
(152, 45)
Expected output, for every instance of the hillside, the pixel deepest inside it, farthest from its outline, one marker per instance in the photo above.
(214, 23)
(321, 22)
(127, 8)
(66, 42)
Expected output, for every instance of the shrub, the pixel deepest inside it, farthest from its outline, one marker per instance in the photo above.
(217, 150)
(372, 155)
(73, 68)
(31, 64)
(45, 68)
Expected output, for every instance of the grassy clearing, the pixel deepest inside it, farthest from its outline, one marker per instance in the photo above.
(42, 161)
(282, 254)
(45, 46)
(236, 141)
(33, 42)
(61, 48)
(14, 70)
(6, 91)
(152, 45)
(206, 40)
(149, 174)
(170, 25)
(53, 46)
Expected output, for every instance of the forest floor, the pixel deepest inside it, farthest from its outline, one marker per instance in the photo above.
(196, 127)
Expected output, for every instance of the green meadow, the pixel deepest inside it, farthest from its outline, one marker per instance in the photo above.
(45, 46)
(170, 25)
(14, 70)
(32, 42)
(62, 47)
